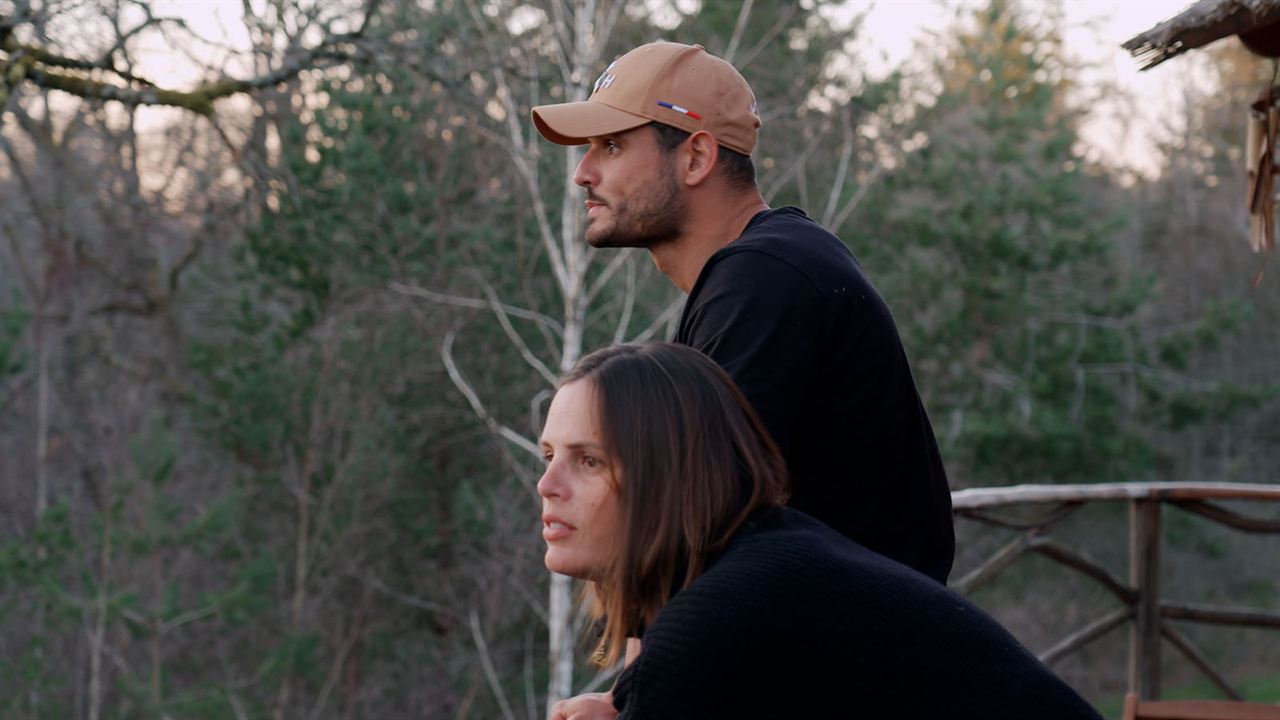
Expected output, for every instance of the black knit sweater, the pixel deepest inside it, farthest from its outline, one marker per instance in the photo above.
(796, 621)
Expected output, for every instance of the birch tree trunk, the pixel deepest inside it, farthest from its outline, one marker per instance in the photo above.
(582, 30)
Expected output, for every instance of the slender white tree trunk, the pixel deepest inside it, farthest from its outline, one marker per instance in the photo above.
(585, 53)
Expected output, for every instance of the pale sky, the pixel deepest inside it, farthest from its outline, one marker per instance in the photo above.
(891, 29)
(1095, 29)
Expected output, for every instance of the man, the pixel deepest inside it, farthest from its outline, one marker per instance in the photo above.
(780, 303)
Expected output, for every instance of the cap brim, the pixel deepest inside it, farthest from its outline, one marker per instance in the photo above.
(578, 122)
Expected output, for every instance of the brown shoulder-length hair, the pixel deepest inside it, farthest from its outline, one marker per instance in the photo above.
(694, 461)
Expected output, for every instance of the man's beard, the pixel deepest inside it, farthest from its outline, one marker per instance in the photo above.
(645, 221)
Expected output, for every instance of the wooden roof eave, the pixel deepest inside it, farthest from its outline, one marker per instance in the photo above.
(1197, 26)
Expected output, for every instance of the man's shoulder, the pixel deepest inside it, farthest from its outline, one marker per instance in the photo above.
(786, 241)
(785, 232)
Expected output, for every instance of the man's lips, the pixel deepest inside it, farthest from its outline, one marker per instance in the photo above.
(553, 528)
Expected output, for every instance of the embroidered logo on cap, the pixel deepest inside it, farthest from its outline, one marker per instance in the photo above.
(606, 78)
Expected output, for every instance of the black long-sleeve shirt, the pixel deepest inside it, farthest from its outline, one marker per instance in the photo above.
(786, 310)
(794, 620)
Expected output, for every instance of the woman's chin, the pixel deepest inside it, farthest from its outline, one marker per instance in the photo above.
(564, 566)
(556, 565)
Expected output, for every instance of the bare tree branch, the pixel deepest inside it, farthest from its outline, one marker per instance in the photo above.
(529, 358)
(459, 301)
(335, 670)
(842, 169)
(768, 37)
(515, 147)
(796, 166)
(672, 309)
(412, 601)
(628, 305)
(490, 674)
(861, 192)
(609, 19)
(561, 28)
(56, 72)
(619, 258)
(446, 355)
(744, 13)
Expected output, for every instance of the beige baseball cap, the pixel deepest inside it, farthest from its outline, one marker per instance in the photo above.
(679, 85)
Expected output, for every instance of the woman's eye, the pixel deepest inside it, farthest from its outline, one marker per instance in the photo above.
(590, 461)
(546, 458)
(610, 146)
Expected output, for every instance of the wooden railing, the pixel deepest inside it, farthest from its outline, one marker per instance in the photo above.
(1142, 604)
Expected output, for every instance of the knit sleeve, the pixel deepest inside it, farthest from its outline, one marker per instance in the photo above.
(710, 649)
(688, 668)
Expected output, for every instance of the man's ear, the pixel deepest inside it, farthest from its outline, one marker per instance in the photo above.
(699, 158)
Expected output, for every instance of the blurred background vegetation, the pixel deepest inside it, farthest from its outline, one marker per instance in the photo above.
(269, 368)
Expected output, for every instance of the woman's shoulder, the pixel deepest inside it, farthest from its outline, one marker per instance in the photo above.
(785, 543)
(786, 569)
(782, 558)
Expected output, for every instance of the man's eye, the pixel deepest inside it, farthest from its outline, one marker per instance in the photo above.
(610, 146)
(546, 458)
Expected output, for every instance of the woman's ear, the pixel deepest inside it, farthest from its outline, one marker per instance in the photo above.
(700, 152)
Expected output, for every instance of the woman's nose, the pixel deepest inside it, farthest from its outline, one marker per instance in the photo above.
(550, 485)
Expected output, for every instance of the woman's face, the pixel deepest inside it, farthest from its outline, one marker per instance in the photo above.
(579, 488)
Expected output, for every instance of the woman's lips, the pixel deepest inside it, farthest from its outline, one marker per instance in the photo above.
(556, 529)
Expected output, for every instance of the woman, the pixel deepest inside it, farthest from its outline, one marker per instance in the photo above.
(665, 493)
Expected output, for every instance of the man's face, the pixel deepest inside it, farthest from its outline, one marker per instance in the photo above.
(633, 197)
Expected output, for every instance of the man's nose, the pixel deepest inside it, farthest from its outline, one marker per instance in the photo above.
(585, 174)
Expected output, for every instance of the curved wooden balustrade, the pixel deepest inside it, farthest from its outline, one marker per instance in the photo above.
(1142, 607)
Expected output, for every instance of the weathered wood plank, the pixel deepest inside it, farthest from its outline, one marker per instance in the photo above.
(1200, 709)
(1204, 22)
(1085, 565)
(1085, 635)
(1216, 615)
(975, 498)
(993, 565)
(1144, 574)
(1197, 658)
(1041, 522)
(1229, 518)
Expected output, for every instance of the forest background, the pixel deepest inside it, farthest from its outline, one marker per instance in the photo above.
(270, 369)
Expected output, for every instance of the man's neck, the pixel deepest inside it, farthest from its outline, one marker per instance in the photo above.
(708, 230)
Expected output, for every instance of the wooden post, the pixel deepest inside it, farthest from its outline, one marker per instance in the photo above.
(1144, 576)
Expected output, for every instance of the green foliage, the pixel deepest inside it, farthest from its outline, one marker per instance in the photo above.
(13, 325)
(296, 655)
(1216, 403)
(1000, 261)
(995, 248)
(323, 387)
(1219, 318)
